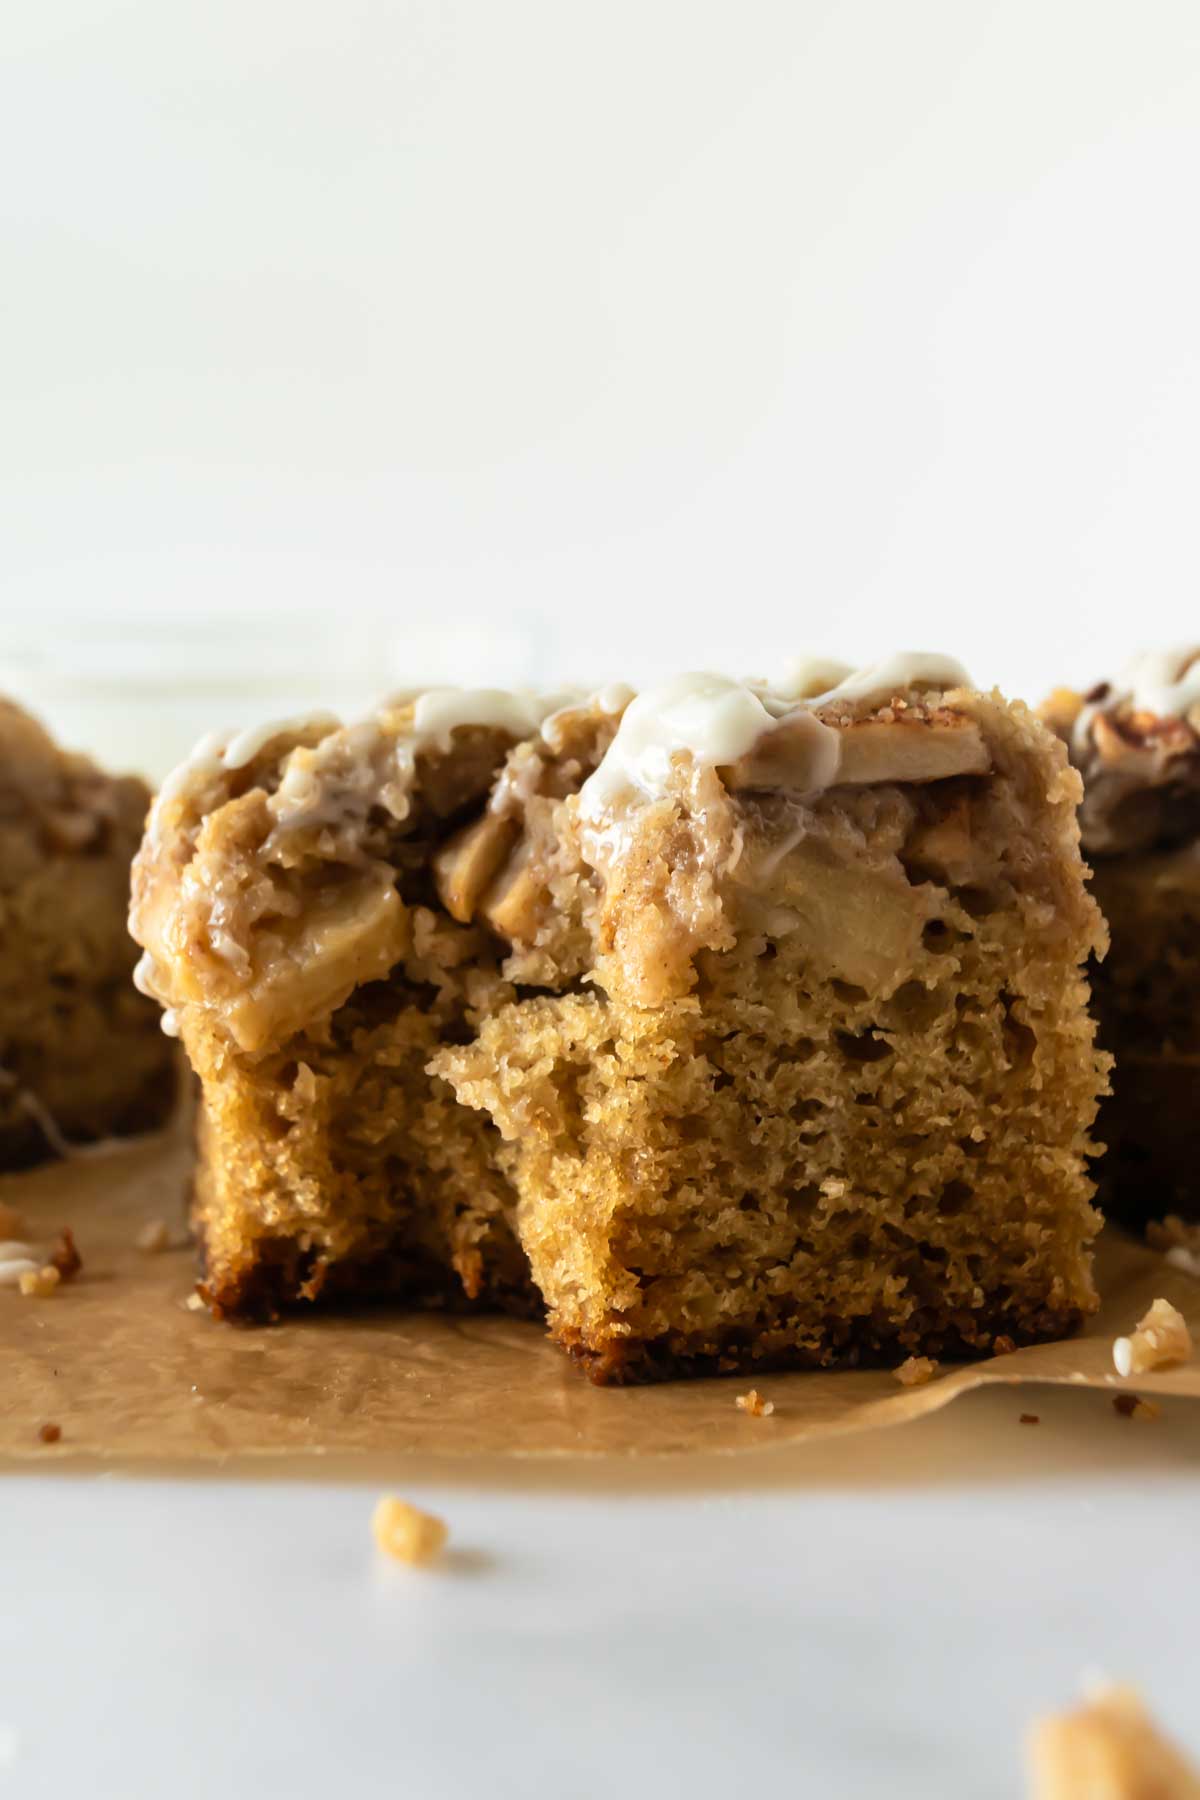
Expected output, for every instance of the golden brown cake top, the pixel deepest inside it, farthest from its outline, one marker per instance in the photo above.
(1136, 742)
(285, 866)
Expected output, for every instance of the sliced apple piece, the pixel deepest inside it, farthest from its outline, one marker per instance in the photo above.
(468, 863)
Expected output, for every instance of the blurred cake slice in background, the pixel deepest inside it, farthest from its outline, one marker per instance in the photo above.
(81, 1053)
(733, 1027)
(1136, 742)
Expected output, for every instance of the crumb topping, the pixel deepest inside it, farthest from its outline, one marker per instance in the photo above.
(1136, 741)
(915, 1371)
(1161, 1338)
(754, 1404)
(39, 1284)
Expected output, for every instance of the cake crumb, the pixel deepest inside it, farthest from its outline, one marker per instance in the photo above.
(1002, 1346)
(153, 1237)
(1132, 1406)
(754, 1404)
(1161, 1337)
(49, 1433)
(39, 1284)
(916, 1371)
(12, 1222)
(1108, 1746)
(1031, 1418)
(405, 1532)
(65, 1255)
(194, 1303)
(1171, 1233)
(1178, 1241)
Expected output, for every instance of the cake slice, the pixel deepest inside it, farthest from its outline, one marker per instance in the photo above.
(826, 1097)
(734, 1028)
(324, 909)
(81, 1055)
(1136, 743)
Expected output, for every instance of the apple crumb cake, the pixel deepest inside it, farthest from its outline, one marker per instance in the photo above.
(730, 1027)
(1136, 743)
(81, 1056)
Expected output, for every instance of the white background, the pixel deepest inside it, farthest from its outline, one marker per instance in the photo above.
(538, 339)
(350, 343)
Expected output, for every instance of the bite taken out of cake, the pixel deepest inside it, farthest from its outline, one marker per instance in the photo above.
(731, 1026)
(81, 1055)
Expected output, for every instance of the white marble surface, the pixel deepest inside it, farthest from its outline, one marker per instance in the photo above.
(881, 1617)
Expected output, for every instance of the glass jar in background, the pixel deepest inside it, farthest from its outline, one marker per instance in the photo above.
(137, 693)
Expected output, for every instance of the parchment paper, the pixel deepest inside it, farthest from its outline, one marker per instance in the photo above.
(118, 1361)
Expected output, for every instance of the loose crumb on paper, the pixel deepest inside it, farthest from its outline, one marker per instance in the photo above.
(153, 1237)
(754, 1404)
(1161, 1338)
(916, 1371)
(65, 1255)
(1031, 1418)
(49, 1433)
(1178, 1241)
(1132, 1406)
(12, 1222)
(194, 1303)
(14, 1268)
(39, 1284)
(1108, 1748)
(406, 1533)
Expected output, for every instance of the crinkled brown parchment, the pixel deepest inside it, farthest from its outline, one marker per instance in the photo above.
(118, 1361)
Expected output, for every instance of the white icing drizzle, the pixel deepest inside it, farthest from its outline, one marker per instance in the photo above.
(1164, 683)
(521, 713)
(243, 748)
(610, 701)
(907, 669)
(221, 751)
(716, 721)
(810, 675)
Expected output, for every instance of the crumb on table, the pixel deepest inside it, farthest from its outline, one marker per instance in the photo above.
(17, 1261)
(754, 1404)
(153, 1237)
(916, 1371)
(194, 1302)
(1161, 1337)
(1031, 1418)
(405, 1532)
(12, 1222)
(65, 1255)
(49, 1433)
(1109, 1748)
(1132, 1406)
(39, 1284)
(1178, 1241)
